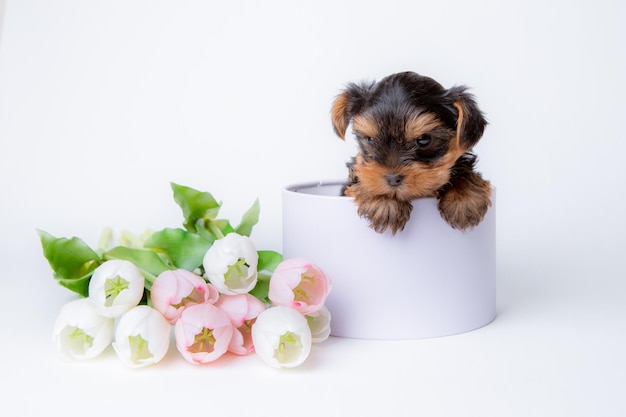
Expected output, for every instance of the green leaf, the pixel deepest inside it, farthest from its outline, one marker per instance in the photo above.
(71, 260)
(186, 250)
(195, 205)
(201, 230)
(148, 262)
(249, 219)
(268, 260)
(261, 289)
(223, 226)
(79, 285)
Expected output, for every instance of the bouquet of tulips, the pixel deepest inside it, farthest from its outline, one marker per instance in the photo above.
(204, 284)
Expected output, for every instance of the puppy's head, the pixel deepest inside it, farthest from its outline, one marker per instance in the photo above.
(410, 131)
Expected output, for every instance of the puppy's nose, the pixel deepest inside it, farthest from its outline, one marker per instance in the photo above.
(394, 179)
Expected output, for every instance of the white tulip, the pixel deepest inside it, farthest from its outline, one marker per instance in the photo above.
(80, 332)
(142, 337)
(319, 322)
(231, 264)
(115, 287)
(282, 337)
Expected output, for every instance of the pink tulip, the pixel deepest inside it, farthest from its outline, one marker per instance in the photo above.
(173, 291)
(203, 333)
(299, 284)
(242, 309)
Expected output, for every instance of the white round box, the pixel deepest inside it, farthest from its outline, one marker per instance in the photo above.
(428, 280)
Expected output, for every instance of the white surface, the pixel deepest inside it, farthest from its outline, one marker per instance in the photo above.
(103, 103)
(427, 280)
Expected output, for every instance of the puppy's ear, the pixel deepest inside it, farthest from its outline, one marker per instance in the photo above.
(471, 122)
(348, 104)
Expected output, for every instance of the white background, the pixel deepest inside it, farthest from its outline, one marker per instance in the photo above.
(102, 104)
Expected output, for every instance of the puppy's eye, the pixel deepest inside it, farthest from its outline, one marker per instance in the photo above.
(423, 140)
(369, 139)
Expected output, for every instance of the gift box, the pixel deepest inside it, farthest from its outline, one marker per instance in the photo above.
(428, 280)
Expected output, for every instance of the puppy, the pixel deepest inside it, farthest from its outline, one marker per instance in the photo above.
(415, 140)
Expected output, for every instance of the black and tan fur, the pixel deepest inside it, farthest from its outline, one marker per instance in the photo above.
(415, 140)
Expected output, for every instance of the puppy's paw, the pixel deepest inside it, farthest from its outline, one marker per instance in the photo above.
(464, 208)
(384, 213)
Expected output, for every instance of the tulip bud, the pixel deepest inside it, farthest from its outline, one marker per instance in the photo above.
(282, 337)
(115, 287)
(299, 284)
(80, 332)
(172, 291)
(142, 337)
(203, 333)
(231, 264)
(242, 309)
(319, 322)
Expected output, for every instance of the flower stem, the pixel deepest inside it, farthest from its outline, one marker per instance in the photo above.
(215, 230)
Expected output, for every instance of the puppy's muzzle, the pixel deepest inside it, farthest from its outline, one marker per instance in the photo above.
(394, 180)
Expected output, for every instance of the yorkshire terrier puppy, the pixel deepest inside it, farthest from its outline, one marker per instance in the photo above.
(415, 140)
